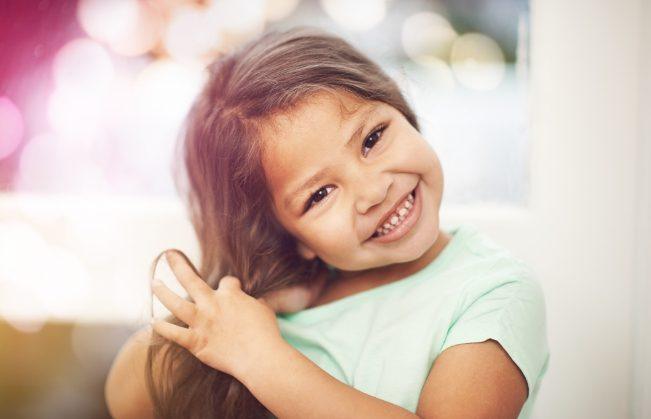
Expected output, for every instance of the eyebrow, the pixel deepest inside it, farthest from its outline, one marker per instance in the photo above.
(315, 178)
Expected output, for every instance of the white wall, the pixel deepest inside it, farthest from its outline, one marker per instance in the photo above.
(586, 231)
(641, 309)
(585, 74)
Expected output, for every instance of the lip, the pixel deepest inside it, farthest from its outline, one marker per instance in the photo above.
(406, 224)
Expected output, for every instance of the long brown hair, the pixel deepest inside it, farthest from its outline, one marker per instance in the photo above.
(224, 186)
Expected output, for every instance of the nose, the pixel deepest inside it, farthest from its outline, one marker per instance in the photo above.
(371, 191)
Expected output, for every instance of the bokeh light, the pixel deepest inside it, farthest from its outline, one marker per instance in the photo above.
(238, 18)
(192, 34)
(427, 35)
(128, 27)
(159, 100)
(11, 127)
(19, 304)
(276, 10)
(83, 73)
(477, 61)
(46, 281)
(360, 15)
(53, 164)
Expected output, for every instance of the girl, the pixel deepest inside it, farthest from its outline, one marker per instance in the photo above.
(326, 288)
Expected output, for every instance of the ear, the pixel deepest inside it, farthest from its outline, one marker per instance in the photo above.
(305, 251)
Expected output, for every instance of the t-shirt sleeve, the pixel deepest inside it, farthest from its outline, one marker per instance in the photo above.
(511, 312)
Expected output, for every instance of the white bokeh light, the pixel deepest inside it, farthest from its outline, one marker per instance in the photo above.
(279, 9)
(477, 61)
(427, 35)
(128, 27)
(192, 34)
(106, 20)
(162, 95)
(358, 15)
(38, 281)
(83, 64)
(236, 17)
(154, 112)
(53, 164)
(83, 75)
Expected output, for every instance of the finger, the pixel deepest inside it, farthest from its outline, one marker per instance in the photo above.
(229, 283)
(178, 334)
(182, 309)
(193, 284)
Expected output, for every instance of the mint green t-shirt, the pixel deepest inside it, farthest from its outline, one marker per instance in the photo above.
(383, 341)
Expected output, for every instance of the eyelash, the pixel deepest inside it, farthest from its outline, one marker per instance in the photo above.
(379, 129)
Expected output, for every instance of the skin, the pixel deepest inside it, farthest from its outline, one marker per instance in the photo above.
(368, 177)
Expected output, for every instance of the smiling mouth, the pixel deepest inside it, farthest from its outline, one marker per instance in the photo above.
(395, 218)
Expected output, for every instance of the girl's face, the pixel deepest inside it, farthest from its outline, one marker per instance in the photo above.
(358, 185)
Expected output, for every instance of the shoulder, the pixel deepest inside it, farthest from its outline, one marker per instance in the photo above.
(495, 350)
(125, 389)
(496, 342)
(477, 256)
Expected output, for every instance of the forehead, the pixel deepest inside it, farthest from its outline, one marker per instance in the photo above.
(297, 142)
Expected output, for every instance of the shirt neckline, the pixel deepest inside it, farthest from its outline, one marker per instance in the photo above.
(458, 233)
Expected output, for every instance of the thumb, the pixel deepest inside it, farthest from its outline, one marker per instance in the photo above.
(229, 282)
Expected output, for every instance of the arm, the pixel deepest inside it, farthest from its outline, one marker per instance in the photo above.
(125, 390)
(473, 380)
(476, 380)
(291, 386)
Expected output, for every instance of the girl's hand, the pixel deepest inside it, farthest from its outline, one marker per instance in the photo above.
(228, 329)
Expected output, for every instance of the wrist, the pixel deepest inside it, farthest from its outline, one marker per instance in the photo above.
(249, 371)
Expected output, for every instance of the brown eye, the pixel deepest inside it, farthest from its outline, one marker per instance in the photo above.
(372, 139)
(317, 196)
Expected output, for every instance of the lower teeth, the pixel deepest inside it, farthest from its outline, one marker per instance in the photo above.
(376, 234)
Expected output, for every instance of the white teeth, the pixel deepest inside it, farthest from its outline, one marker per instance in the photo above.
(398, 216)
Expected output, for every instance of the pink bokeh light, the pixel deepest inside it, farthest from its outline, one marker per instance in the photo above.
(12, 127)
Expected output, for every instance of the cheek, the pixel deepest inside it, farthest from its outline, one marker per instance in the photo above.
(328, 233)
(414, 154)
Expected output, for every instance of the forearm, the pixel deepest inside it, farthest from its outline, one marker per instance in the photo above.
(290, 385)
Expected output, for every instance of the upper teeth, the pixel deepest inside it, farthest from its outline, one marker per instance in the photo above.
(394, 219)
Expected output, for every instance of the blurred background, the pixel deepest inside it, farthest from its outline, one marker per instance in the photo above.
(536, 111)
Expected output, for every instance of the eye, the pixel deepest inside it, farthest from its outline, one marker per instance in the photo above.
(317, 196)
(372, 139)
